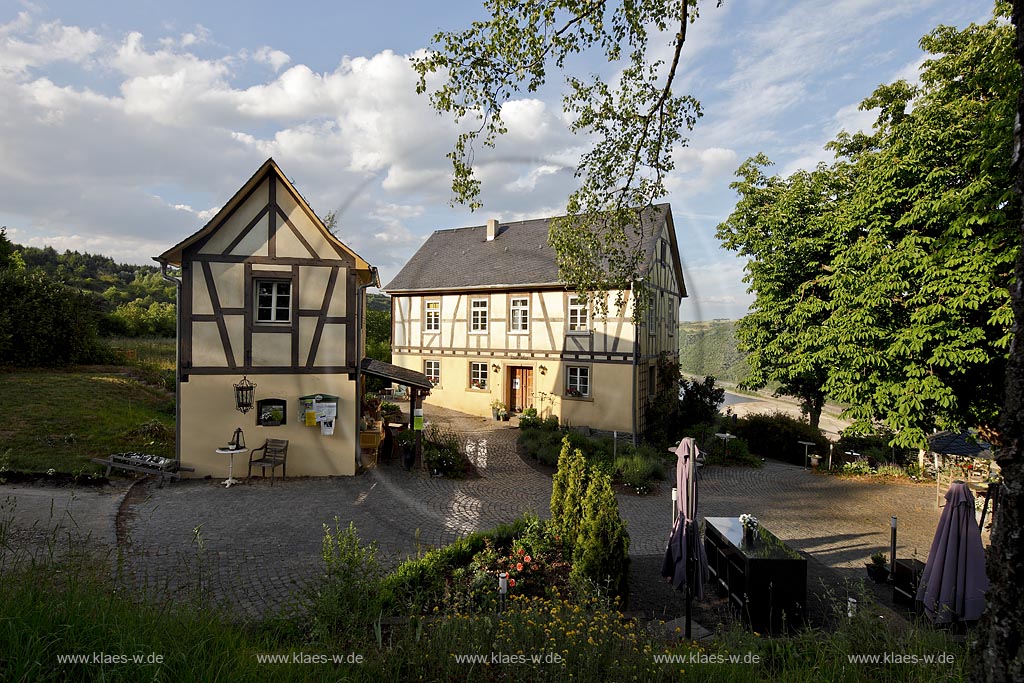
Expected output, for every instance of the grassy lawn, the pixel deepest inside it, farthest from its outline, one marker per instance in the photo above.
(59, 419)
(158, 351)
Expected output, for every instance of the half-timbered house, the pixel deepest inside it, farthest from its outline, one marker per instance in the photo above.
(482, 312)
(268, 294)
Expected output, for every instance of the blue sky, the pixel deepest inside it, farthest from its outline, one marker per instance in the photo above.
(125, 125)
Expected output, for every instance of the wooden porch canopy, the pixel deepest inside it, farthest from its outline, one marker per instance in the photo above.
(419, 387)
(398, 374)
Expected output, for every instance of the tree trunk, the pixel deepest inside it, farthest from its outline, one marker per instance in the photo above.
(815, 406)
(998, 656)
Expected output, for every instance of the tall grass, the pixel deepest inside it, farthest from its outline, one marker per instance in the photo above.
(52, 608)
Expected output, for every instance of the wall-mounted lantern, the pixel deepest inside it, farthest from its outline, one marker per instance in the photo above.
(245, 392)
(494, 366)
(543, 370)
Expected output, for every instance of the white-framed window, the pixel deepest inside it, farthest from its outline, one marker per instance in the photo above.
(652, 316)
(273, 301)
(579, 316)
(577, 381)
(432, 317)
(520, 316)
(664, 251)
(672, 308)
(432, 369)
(478, 375)
(478, 315)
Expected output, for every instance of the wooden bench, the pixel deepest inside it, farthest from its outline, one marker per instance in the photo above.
(163, 473)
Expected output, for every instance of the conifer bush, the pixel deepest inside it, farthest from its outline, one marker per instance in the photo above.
(601, 555)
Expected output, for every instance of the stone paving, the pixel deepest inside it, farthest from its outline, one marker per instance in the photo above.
(252, 547)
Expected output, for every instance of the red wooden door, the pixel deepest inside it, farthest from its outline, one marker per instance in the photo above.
(521, 393)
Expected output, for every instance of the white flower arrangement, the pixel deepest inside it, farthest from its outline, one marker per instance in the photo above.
(748, 521)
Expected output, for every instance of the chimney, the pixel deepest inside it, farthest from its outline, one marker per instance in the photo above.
(492, 229)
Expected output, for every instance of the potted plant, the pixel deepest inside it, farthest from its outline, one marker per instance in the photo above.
(877, 570)
(815, 460)
(497, 408)
(407, 442)
(749, 523)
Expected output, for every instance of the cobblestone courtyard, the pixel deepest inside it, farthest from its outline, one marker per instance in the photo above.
(251, 547)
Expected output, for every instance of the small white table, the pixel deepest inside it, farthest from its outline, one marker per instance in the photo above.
(230, 452)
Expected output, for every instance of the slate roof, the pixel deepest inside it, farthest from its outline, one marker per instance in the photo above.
(963, 444)
(519, 256)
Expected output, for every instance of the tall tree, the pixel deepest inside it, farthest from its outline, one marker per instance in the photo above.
(999, 650)
(636, 122)
(788, 230)
(920, 307)
(882, 280)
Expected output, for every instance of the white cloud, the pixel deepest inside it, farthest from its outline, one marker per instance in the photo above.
(275, 58)
(47, 43)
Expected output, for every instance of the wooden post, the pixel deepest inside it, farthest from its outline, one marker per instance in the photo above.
(414, 404)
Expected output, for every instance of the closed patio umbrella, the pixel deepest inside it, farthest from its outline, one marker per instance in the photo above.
(954, 583)
(686, 563)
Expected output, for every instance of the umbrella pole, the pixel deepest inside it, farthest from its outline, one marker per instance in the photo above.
(691, 564)
(689, 594)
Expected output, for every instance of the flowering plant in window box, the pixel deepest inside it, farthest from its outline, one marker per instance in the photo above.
(477, 384)
(575, 393)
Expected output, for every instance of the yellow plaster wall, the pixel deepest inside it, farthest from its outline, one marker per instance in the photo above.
(230, 279)
(301, 220)
(201, 304)
(207, 350)
(208, 418)
(230, 229)
(271, 349)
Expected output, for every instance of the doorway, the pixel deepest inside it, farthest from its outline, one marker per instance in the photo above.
(520, 382)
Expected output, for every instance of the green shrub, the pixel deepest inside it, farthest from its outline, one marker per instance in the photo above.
(637, 471)
(542, 445)
(345, 601)
(573, 478)
(700, 400)
(889, 470)
(777, 436)
(419, 584)
(528, 421)
(442, 451)
(44, 323)
(876, 447)
(856, 467)
(601, 552)
(738, 453)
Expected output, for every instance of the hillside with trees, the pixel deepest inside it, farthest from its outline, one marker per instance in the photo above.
(129, 300)
(710, 348)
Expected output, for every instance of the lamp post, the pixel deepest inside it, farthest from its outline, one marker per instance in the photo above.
(807, 445)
